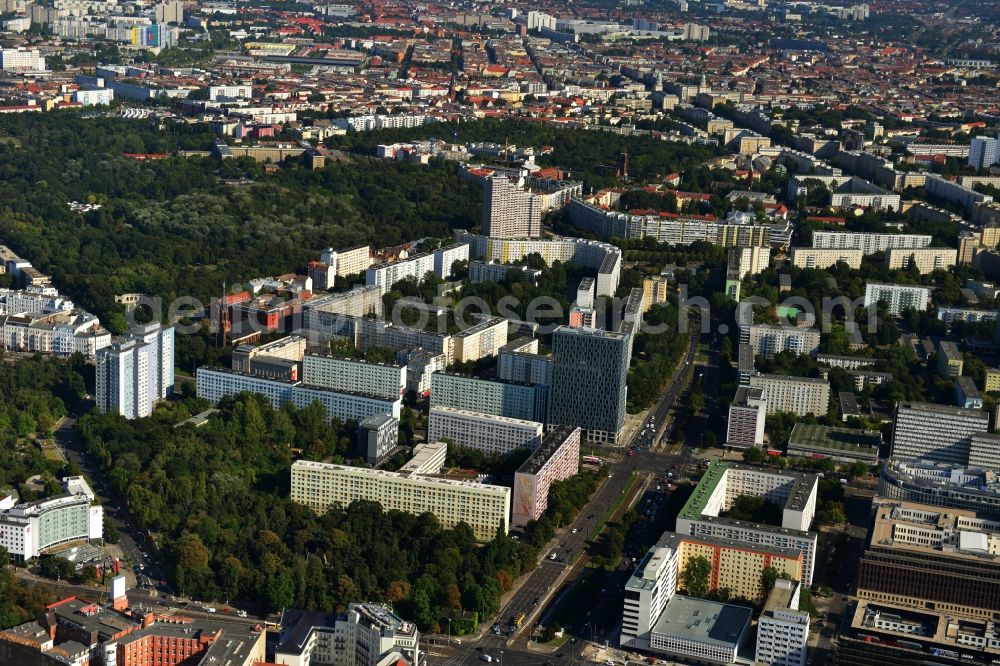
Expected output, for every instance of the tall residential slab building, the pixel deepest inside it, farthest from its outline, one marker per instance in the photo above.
(136, 371)
(509, 211)
(589, 371)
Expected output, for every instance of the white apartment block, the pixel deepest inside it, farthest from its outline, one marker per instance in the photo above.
(370, 332)
(746, 418)
(814, 257)
(420, 365)
(99, 97)
(767, 340)
(214, 384)
(484, 508)
(603, 257)
(942, 188)
(233, 92)
(744, 261)
(489, 433)
(384, 276)
(897, 297)
(511, 399)
(136, 372)
(479, 341)
(340, 263)
(21, 60)
(556, 459)
(647, 592)
(782, 629)
(509, 211)
(522, 366)
(321, 314)
(868, 243)
(446, 256)
(383, 380)
(798, 395)
(941, 433)
(927, 259)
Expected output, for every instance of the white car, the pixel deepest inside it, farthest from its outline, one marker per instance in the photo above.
(208, 609)
(574, 531)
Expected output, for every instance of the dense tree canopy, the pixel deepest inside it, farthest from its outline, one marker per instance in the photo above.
(181, 226)
(216, 498)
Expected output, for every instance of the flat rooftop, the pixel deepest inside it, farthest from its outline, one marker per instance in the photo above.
(548, 448)
(834, 439)
(710, 622)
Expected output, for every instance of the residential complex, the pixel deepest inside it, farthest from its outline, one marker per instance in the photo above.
(723, 482)
(484, 508)
(925, 260)
(136, 371)
(868, 243)
(556, 459)
(214, 384)
(509, 211)
(798, 395)
(814, 257)
(353, 375)
(489, 433)
(526, 402)
(783, 629)
(843, 445)
(897, 297)
(767, 340)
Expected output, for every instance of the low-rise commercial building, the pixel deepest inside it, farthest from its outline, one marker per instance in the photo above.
(706, 631)
(556, 459)
(844, 445)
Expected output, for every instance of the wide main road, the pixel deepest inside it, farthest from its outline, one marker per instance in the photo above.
(542, 582)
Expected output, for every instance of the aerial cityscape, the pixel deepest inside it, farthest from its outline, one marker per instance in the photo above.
(418, 333)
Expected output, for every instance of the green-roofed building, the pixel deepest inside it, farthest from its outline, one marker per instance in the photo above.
(845, 445)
